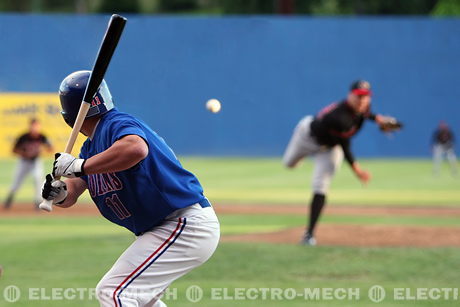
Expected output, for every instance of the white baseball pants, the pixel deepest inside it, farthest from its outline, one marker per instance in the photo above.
(185, 240)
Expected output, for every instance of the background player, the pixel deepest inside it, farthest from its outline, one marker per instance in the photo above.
(136, 181)
(326, 137)
(443, 145)
(28, 147)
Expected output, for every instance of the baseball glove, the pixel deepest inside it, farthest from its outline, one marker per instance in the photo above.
(390, 124)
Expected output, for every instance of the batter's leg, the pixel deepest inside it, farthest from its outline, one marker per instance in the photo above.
(156, 301)
(300, 145)
(157, 258)
(23, 167)
(326, 165)
(159, 303)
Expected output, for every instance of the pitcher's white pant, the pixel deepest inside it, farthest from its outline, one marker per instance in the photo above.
(327, 160)
(186, 239)
(439, 151)
(23, 168)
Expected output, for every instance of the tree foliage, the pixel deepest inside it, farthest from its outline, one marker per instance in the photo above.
(119, 6)
(447, 8)
(243, 7)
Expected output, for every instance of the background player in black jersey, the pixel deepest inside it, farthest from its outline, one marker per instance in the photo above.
(28, 147)
(326, 137)
(443, 145)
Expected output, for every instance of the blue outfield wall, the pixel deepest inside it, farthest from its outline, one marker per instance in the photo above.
(268, 72)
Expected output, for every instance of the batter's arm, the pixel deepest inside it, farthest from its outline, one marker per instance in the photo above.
(122, 155)
(75, 187)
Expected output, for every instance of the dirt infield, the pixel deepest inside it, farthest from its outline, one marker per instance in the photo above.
(28, 210)
(342, 210)
(327, 234)
(90, 210)
(355, 235)
(361, 235)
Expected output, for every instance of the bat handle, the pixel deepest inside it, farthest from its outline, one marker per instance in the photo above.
(46, 205)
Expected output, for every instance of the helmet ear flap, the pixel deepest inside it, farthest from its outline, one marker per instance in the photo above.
(68, 122)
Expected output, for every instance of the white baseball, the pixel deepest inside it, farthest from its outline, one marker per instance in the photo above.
(213, 105)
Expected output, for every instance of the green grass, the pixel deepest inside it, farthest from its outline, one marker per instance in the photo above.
(49, 251)
(32, 228)
(266, 181)
(238, 223)
(64, 252)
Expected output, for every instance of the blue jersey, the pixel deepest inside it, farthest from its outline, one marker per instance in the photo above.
(141, 197)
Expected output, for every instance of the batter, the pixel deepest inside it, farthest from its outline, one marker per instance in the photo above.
(137, 182)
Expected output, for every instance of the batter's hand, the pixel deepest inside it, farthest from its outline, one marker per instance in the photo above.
(68, 166)
(55, 190)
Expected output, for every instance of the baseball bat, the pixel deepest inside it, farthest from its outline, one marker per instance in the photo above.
(106, 50)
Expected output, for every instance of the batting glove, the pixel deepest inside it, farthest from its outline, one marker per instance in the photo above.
(68, 166)
(55, 190)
